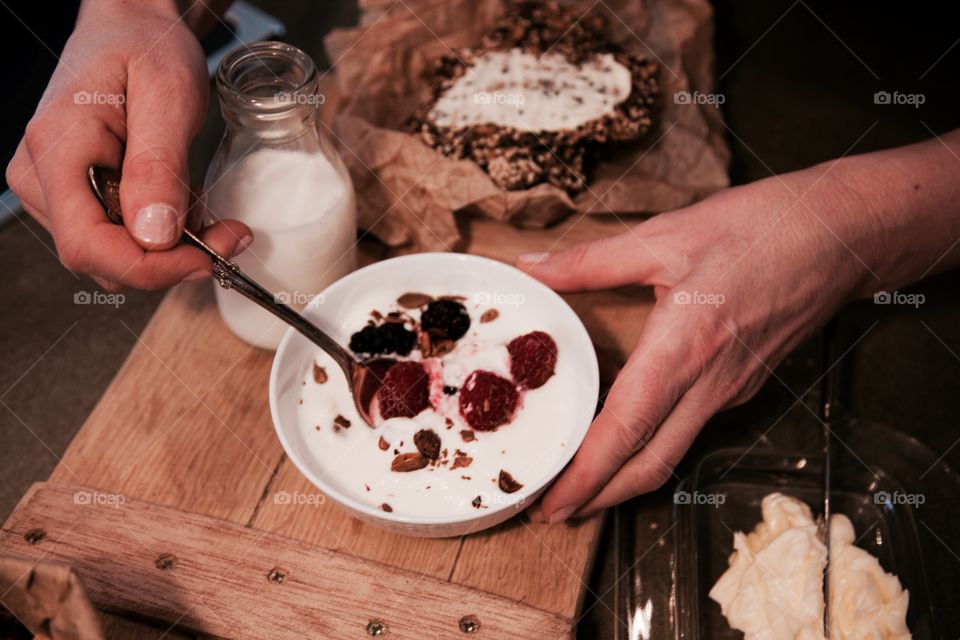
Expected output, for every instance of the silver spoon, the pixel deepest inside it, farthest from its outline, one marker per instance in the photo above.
(365, 377)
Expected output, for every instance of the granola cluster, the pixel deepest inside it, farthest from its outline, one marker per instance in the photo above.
(518, 159)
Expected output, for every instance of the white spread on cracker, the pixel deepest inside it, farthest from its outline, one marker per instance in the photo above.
(517, 89)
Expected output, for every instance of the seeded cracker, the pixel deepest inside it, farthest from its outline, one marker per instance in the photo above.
(517, 159)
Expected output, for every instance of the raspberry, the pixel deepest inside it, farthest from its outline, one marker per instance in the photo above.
(405, 391)
(533, 359)
(445, 319)
(389, 337)
(487, 400)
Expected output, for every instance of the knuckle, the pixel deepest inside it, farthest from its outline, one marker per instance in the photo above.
(635, 433)
(177, 81)
(147, 283)
(706, 340)
(745, 387)
(16, 173)
(73, 256)
(143, 278)
(157, 164)
(579, 256)
(729, 393)
(653, 476)
(176, 70)
(736, 375)
(36, 136)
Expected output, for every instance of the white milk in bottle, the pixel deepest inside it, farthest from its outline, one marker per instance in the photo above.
(275, 172)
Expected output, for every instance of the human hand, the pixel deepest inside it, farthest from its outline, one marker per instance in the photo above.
(740, 280)
(131, 87)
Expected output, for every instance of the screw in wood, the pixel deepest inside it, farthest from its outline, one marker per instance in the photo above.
(377, 628)
(276, 575)
(469, 624)
(34, 536)
(165, 561)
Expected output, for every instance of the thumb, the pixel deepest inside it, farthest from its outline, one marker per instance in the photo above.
(652, 382)
(619, 260)
(154, 192)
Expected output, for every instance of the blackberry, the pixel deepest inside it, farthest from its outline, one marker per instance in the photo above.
(397, 338)
(445, 319)
(390, 337)
(367, 340)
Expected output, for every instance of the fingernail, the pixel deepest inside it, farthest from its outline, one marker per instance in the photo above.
(534, 258)
(242, 246)
(196, 275)
(560, 515)
(156, 223)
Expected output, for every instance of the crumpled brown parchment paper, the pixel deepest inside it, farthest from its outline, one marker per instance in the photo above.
(49, 599)
(408, 193)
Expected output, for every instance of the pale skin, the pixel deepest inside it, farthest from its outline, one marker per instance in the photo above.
(146, 53)
(783, 254)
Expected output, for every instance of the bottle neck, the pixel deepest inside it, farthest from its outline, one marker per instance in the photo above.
(268, 90)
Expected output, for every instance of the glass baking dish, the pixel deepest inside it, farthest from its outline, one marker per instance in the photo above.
(863, 484)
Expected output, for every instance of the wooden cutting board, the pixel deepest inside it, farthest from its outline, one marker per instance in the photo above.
(183, 434)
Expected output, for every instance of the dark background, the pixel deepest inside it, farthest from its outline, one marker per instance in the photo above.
(798, 80)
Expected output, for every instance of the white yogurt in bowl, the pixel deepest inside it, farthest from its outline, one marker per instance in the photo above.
(463, 490)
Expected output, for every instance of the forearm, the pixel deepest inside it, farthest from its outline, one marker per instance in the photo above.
(902, 212)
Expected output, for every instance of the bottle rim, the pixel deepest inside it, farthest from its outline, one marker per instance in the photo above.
(239, 94)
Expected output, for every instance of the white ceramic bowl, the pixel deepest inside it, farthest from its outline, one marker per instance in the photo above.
(466, 275)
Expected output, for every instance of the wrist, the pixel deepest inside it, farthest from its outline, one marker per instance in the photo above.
(823, 223)
(845, 210)
(902, 212)
(190, 14)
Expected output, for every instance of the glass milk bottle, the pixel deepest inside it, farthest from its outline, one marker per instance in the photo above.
(277, 173)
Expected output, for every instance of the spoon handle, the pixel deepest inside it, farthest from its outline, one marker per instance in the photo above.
(229, 276)
(106, 186)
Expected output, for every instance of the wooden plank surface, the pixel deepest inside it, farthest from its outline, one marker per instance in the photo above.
(231, 581)
(186, 424)
(329, 526)
(119, 628)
